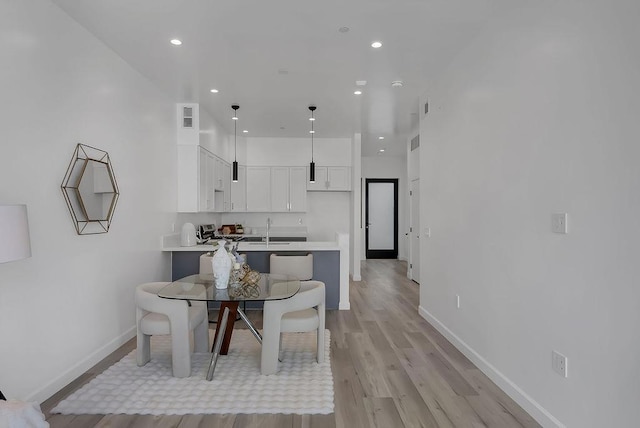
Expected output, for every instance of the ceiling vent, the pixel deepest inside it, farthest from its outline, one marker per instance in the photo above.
(187, 117)
(396, 84)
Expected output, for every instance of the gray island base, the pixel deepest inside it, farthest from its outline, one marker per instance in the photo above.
(326, 268)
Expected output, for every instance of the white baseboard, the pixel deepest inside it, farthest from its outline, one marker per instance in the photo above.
(531, 406)
(81, 367)
(344, 306)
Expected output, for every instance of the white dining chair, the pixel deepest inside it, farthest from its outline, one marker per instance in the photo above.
(300, 267)
(158, 316)
(304, 312)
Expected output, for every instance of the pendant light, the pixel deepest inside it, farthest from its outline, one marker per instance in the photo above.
(234, 176)
(312, 165)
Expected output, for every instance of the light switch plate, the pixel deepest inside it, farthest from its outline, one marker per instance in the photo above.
(559, 223)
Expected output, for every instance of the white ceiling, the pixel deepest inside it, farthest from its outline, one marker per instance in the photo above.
(276, 57)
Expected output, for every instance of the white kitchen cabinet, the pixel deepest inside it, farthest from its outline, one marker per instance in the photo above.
(239, 191)
(226, 186)
(195, 179)
(338, 178)
(288, 189)
(330, 178)
(321, 179)
(279, 189)
(207, 200)
(219, 175)
(258, 189)
(298, 189)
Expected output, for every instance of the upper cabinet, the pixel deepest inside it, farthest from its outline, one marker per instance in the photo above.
(288, 189)
(195, 185)
(204, 181)
(239, 191)
(258, 189)
(226, 186)
(330, 178)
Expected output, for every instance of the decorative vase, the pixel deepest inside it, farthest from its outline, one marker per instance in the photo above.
(221, 264)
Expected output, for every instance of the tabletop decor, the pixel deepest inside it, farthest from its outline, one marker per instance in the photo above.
(244, 290)
(221, 264)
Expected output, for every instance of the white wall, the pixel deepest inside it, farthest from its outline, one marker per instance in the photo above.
(357, 222)
(297, 151)
(381, 166)
(540, 115)
(71, 304)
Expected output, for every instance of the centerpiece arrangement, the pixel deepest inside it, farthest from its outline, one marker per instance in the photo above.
(231, 268)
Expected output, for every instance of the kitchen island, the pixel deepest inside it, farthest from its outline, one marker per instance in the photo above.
(330, 261)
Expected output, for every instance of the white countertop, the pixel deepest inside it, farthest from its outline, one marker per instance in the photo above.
(261, 246)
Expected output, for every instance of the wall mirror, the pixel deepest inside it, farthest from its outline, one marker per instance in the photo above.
(90, 190)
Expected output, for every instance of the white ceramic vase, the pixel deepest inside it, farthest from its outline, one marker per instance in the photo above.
(221, 264)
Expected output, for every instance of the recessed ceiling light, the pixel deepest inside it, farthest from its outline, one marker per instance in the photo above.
(312, 118)
(380, 138)
(381, 150)
(357, 93)
(235, 118)
(396, 83)
(245, 131)
(376, 45)
(344, 29)
(214, 91)
(176, 42)
(312, 132)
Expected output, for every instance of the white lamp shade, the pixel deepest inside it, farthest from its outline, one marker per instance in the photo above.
(14, 233)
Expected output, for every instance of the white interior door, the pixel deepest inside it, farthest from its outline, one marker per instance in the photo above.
(414, 234)
(382, 218)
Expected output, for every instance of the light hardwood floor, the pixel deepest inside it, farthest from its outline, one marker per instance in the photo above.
(391, 369)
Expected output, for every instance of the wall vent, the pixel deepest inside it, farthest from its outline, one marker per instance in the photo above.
(415, 142)
(187, 117)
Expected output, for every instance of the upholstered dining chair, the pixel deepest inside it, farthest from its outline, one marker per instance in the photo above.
(299, 266)
(158, 316)
(303, 312)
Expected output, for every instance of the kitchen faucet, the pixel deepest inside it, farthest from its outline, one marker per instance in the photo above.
(268, 227)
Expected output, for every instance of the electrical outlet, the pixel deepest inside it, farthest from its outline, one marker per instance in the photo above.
(458, 301)
(559, 223)
(427, 232)
(559, 363)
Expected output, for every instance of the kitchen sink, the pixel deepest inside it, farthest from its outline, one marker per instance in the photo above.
(270, 243)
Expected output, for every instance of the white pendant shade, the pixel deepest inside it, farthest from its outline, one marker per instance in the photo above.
(14, 233)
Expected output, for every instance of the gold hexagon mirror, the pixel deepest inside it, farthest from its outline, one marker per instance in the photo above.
(90, 190)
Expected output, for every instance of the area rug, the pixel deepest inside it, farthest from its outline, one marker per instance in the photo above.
(301, 386)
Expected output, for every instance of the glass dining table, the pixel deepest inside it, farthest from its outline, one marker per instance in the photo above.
(201, 287)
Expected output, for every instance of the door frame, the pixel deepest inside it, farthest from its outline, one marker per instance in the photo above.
(382, 254)
(414, 230)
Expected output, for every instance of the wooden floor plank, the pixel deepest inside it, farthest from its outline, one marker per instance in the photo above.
(413, 410)
(207, 421)
(391, 368)
(314, 421)
(382, 412)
